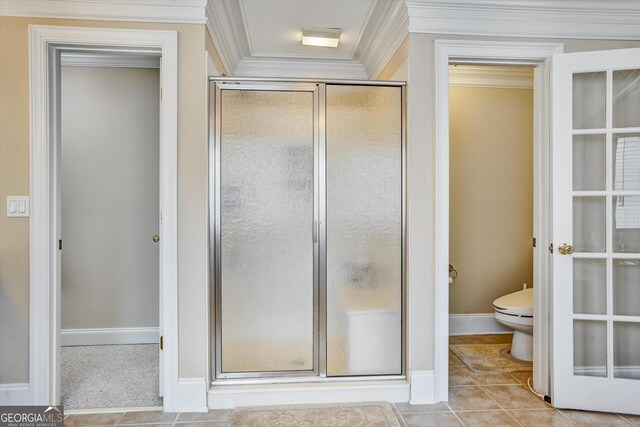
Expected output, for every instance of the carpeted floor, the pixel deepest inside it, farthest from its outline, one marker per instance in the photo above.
(110, 376)
(368, 414)
(489, 358)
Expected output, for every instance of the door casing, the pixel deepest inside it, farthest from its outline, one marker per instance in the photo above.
(46, 43)
(539, 56)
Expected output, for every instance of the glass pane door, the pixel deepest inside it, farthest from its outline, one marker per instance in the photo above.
(266, 220)
(597, 230)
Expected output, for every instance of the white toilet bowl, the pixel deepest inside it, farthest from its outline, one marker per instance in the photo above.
(516, 312)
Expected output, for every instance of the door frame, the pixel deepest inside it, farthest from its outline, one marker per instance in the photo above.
(45, 45)
(539, 56)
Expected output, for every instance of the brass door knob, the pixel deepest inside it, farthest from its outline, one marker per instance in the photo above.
(565, 249)
(156, 238)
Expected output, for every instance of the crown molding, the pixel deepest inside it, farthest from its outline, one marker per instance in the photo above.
(493, 77)
(183, 11)
(226, 26)
(82, 59)
(386, 30)
(580, 19)
(324, 69)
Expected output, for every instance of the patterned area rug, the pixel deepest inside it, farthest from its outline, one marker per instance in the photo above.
(369, 414)
(110, 376)
(489, 358)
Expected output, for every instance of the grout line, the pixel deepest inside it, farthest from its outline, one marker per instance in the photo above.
(626, 420)
(454, 414)
(501, 407)
(560, 412)
(120, 419)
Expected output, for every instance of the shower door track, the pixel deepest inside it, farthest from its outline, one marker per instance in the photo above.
(319, 372)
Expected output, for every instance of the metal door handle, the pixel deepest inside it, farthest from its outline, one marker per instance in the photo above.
(156, 238)
(565, 249)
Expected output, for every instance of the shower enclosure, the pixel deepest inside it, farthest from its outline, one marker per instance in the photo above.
(306, 218)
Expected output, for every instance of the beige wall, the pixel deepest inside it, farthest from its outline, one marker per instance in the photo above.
(398, 66)
(14, 180)
(421, 185)
(213, 54)
(110, 197)
(491, 195)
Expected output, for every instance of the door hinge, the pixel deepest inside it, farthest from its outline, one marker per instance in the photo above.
(60, 244)
(160, 94)
(550, 248)
(161, 342)
(535, 242)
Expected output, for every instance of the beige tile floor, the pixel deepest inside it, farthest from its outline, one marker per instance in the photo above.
(475, 400)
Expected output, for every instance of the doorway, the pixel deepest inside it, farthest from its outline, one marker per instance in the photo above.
(46, 45)
(493, 53)
(109, 152)
(491, 234)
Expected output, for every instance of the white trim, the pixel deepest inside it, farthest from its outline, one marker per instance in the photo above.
(601, 371)
(494, 77)
(386, 30)
(475, 324)
(613, 19)
(226, 27)
(15, 394)
(109, 336)
(333, 69)
(184, 11)
(93, 59)
(423, 388)
(491, 52)
(192, 395)
(231, 396)
(112, 410)
(45, 43)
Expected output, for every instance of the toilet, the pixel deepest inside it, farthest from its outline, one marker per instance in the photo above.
(516, 312)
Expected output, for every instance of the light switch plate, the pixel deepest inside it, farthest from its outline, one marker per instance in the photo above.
(18, 206)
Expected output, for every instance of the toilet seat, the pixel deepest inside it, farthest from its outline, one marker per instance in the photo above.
(517, 304)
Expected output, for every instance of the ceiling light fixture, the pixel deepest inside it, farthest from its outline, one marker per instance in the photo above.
(324, 37)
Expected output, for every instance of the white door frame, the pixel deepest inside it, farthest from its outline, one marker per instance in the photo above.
(46, 43)
(537, 55)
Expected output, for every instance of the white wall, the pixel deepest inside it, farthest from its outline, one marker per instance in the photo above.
(110, 196)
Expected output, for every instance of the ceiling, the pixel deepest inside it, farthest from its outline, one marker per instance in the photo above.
(263, 37)
(274, 27)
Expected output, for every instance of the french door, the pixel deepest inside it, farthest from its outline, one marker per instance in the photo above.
(307, 229)
(596, 230)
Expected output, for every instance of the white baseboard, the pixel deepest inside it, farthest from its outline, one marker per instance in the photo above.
(109, 336)
(192, 395)
(15, 394)
(231, 396)
(423, 388)
(475, 324)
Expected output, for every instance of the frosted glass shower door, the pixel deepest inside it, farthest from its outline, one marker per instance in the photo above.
(266, 262)
(364, 186)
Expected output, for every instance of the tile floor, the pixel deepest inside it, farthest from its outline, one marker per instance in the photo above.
(475, 400)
